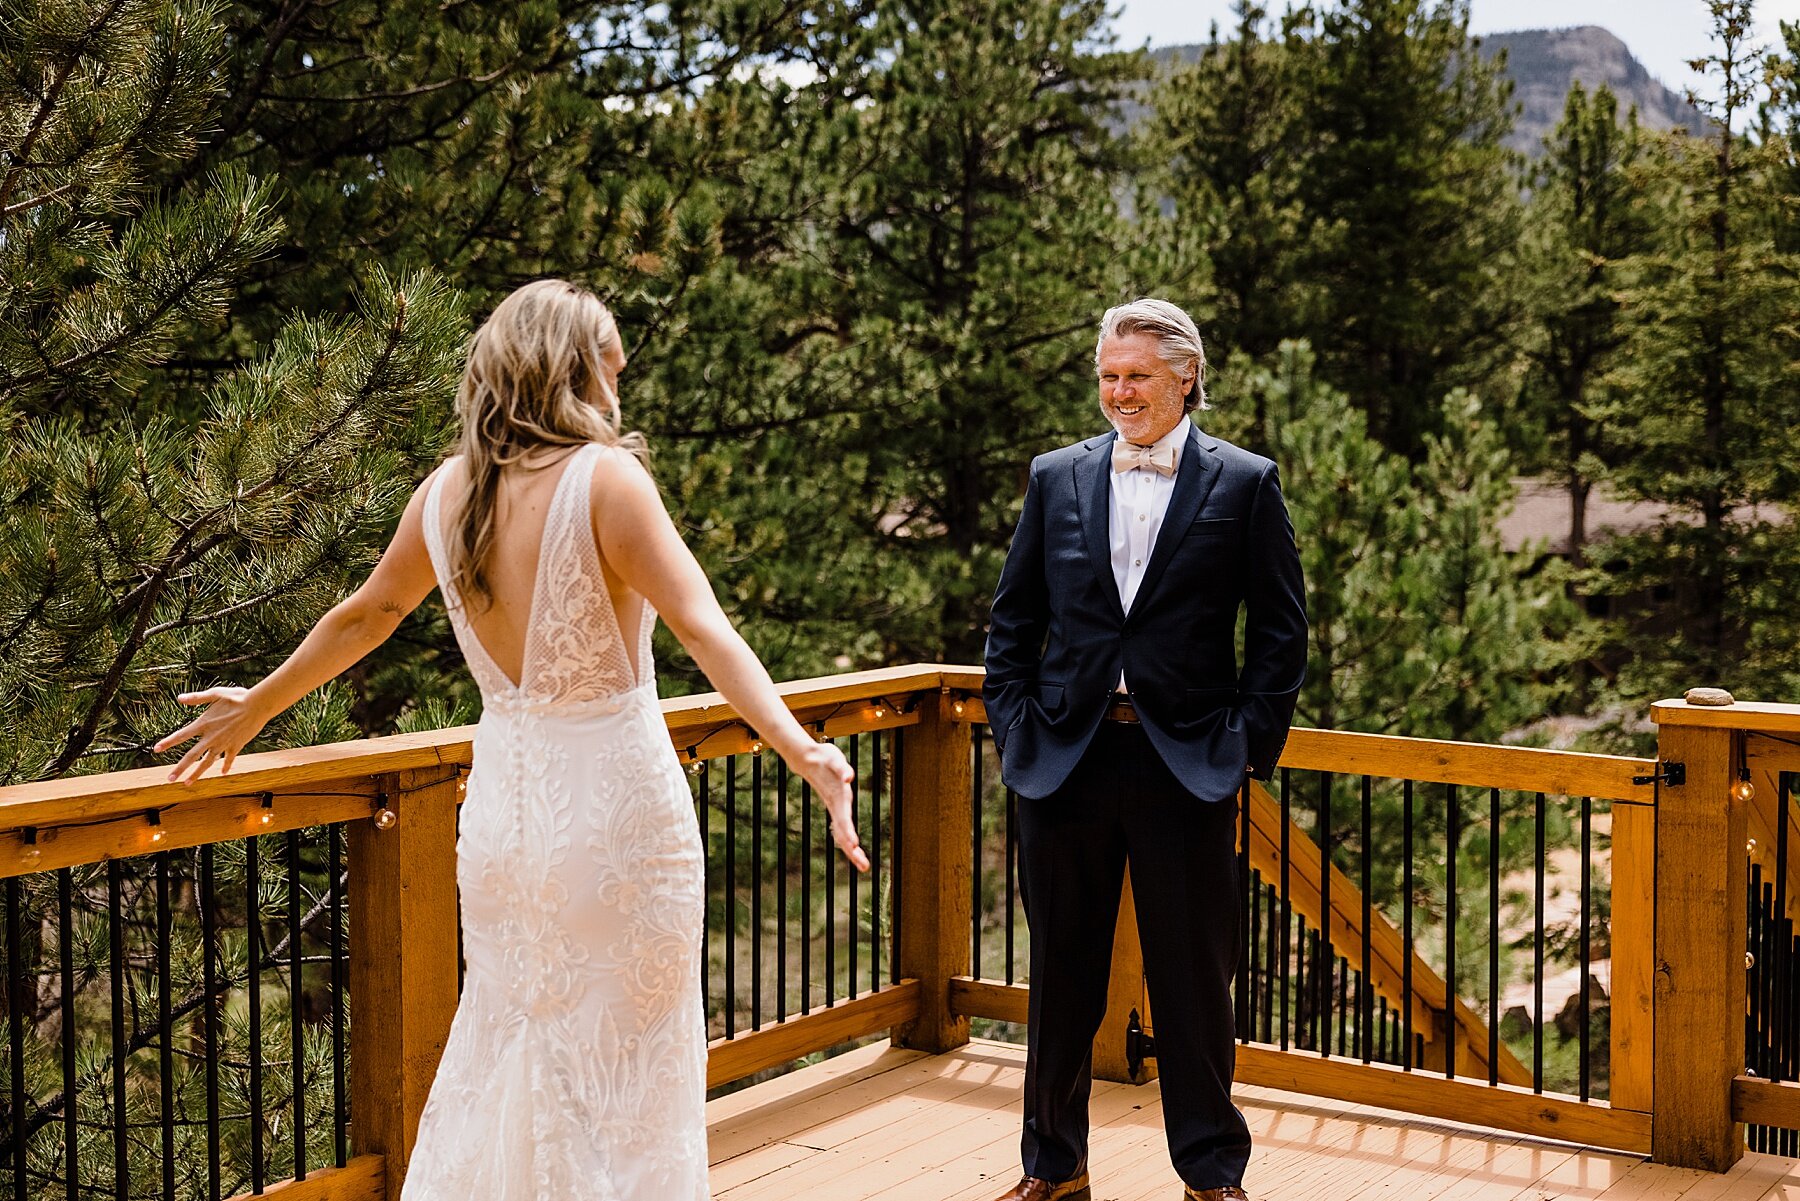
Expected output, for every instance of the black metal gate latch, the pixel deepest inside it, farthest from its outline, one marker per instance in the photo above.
(1140, 1045)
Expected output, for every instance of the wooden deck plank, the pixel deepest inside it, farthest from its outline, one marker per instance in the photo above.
(901, 1126)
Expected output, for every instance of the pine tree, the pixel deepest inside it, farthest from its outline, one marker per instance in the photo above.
(1702, 398)
(1230, 131)
(141, 553)
(1586, 215)
(1411, 209)
(906, 317)
(1422, 623)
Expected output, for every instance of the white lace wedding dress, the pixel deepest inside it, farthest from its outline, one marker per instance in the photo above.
(576, 1066)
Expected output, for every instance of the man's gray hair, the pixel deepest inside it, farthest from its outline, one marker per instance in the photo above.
(1177, 339)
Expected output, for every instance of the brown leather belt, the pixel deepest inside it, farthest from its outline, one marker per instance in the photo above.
(1121, 709)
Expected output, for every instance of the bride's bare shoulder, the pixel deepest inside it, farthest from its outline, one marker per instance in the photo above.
(618, 471)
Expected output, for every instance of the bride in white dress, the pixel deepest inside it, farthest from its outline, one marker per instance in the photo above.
(576, 1064)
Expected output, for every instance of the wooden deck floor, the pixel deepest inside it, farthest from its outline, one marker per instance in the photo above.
(903, 1126)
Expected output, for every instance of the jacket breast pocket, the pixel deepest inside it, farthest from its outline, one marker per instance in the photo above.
(1213, 527)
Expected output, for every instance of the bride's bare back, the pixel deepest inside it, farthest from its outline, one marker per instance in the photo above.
(521, 512)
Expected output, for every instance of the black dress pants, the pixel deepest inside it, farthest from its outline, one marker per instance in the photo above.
(1121, 804)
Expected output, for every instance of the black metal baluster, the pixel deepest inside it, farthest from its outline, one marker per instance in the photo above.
(806, 911)
(781, 895)
(1303, 1024)
(1452, 843)
(209, 938)
(1406, 923)
(1587, 852)
(1343, 983)
(15, 1029)
(1287, 908)
(1326, 957)
(1366, 1011)
(875, 896)
(1012, 887)
(730, 895)
(1270, 968)
(1537, 961)
(756, 888)
(340, 1124)
(253, 985)
(975, 862)
(115, 909)
(1253, 951)
(1241, 1014)
(830, 913)
(297, 1001)
(853, 914)
(165, 1026)
(1494, 936)
(65, 956)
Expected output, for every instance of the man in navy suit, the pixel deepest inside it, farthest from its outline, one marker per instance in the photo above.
(1126, 726)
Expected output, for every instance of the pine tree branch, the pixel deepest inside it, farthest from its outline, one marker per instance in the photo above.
(140, 328)
(186, 550)
(36, 201)
(47, 104)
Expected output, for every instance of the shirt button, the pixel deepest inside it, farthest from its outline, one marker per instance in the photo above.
(1140, 516)
(1137, 562)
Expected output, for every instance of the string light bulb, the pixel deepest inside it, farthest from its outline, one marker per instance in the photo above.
(756, 746)
(29, 851)
(1750, 847)
(1743, 790)
(157, 833)
(957, 708)
(386, 819)
(268, 808)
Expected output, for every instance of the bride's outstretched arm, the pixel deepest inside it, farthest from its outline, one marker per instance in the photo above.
(353, 628)
(641, 544)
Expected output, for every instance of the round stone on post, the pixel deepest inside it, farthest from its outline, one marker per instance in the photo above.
(1710, 697)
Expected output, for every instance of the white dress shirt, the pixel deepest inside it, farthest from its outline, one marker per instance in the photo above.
(1140, 498)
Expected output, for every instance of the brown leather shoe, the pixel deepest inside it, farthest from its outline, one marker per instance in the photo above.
(1032, 1189)
(1227, 1192)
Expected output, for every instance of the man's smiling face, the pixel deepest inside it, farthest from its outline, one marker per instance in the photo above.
(1139, 393)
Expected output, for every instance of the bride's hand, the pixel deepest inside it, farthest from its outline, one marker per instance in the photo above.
(833, 779)
(229, 722)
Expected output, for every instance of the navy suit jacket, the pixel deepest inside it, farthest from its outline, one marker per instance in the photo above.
(1059, 636)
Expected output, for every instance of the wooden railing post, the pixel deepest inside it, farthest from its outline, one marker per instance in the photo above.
(1125, 992)
(403, 961)
(936, 899)
(1698, 1040)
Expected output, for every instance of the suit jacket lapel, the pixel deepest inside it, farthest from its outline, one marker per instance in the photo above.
(1194, 479)
(1093, 497)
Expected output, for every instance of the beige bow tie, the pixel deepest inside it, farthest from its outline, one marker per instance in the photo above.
(1127, 455)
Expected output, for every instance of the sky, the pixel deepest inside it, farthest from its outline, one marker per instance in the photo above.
(1663, 34)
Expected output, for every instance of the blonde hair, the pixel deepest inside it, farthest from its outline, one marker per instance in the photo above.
(1177, 340)
(535, 380)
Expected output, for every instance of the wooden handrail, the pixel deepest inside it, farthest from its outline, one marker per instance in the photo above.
(75, 810)
(1471, 764)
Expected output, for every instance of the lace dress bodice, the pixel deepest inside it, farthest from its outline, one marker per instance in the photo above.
(575, 650)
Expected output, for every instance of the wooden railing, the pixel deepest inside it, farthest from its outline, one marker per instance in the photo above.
(1678, 1089)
